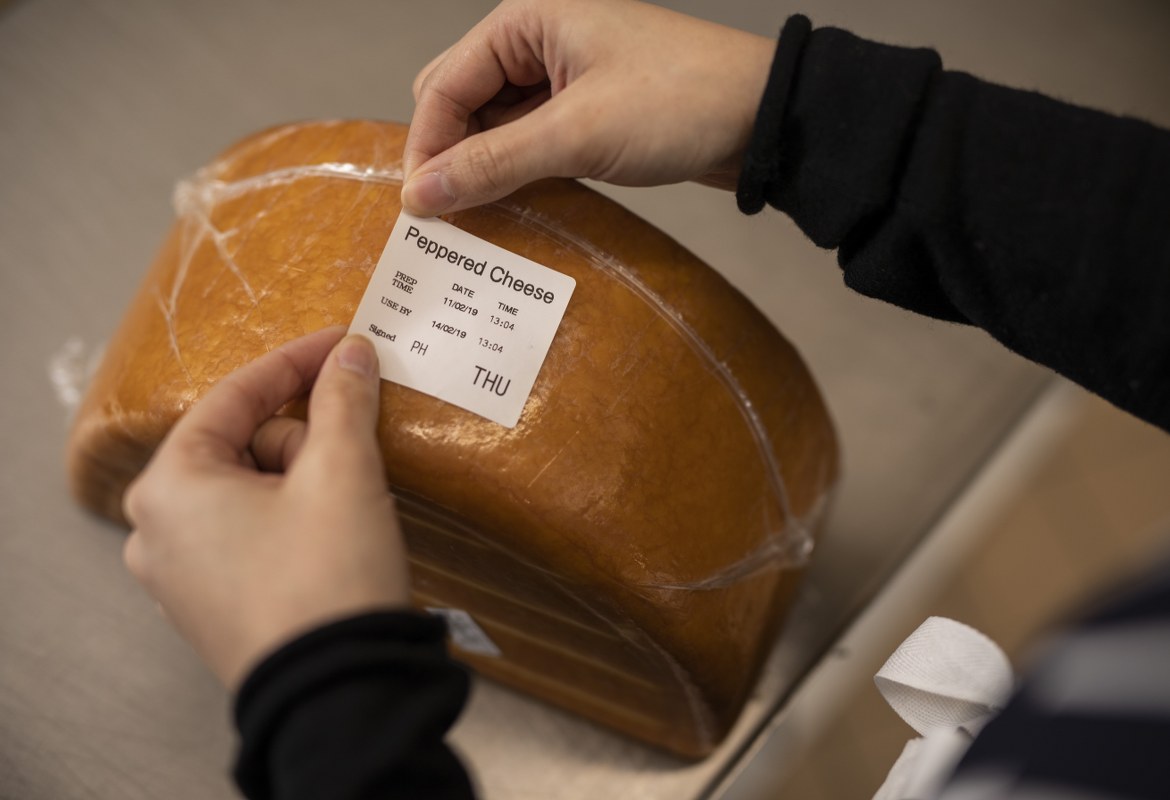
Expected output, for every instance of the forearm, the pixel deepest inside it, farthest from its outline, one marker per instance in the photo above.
(1046, 224)
(356, 709)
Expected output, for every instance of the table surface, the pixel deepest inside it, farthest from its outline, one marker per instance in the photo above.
(104, 105)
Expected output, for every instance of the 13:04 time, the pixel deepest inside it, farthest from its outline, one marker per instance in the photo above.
(495, 347)
(506, 324)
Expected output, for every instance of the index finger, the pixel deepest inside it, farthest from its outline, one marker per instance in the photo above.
(223, 422)
(494, 53)
(416, 87)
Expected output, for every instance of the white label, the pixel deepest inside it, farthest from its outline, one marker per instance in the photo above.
(465, 633)
(460, 318)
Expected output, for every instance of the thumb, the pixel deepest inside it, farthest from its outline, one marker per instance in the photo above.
(493, 163)
(343, 409)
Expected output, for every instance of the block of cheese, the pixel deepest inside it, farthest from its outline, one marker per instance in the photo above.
(631, 545)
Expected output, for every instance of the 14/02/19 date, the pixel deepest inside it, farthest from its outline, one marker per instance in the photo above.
(495, 347)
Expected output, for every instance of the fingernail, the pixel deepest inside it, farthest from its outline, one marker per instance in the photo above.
(427, 194)
(356, 354)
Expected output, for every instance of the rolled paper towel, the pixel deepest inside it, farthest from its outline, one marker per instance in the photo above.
(947, 680)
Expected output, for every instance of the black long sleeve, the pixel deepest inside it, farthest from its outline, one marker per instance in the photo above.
(355, 710)
(1045, 224)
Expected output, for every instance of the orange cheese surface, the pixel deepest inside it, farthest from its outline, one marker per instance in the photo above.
(631, 545)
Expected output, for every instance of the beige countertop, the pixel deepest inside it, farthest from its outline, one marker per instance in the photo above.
(103, 106)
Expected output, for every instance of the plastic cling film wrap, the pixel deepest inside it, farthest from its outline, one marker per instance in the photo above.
(630, 546)
(195, 198)
(70, 369)
(774, 552)
(790, 545)
(204, 189)
(787, 545)
(420, 513)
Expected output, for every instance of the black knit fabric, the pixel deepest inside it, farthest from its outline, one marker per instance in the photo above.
(1045, 224)
(354, 710)
(761, 170)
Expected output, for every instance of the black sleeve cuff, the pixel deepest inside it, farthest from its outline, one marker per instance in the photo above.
(833, 128)
(761, 164)
(359, 703)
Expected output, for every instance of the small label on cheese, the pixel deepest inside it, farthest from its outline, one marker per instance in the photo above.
(465, 633)
(461, 319)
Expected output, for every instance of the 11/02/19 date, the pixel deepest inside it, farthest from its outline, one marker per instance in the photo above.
(495, 347)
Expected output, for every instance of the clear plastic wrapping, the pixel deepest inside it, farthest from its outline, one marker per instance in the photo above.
(631, 545)
(70, 369)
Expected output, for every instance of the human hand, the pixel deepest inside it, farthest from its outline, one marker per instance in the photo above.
(615, 90)
(251, 528)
